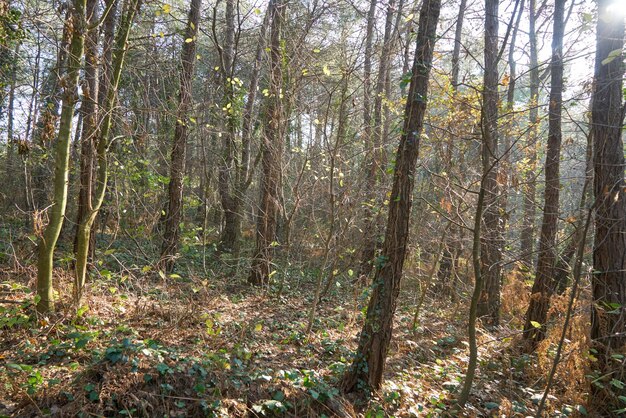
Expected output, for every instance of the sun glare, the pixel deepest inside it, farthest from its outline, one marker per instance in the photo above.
(617, 7)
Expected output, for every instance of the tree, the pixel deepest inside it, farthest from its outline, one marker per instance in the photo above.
(375, 137)
(608, 313)
(89, 115)
(527, 235)
(491, 240)
(545, 284)
(47, 242)
(177, 165)
(449, 257)
(103, 143)
(272, 149)
(227, 183)
(366, 371)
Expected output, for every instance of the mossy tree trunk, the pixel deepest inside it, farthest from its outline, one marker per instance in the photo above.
(48, 241)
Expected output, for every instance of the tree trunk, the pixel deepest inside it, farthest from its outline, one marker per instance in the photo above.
(562, 269)
(544, 285)
(527, 237)
(452, 244)
(177, 166)
(608, 314)
(84, 228)
(47, 243)
(89, 111)
(366, 371)
(227, 178)
(492, 242)
(456, 52)
(367, 251)
(11, 140)
(375, 139)
(272, 148)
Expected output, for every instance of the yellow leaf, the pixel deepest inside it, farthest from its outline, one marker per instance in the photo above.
(258, 327)
(326, 70)
(188, 40)
(409, 18)
(166, 8)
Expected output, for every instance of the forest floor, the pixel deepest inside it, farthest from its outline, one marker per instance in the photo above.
(213, 346)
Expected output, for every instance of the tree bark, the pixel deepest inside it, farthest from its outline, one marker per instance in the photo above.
(227, 176)
(545, 285)
(608, 314)
(47, 243)
(451, 247)
(368, 250)
(102, 174)
(89, 111)
(527, 237)
(366, 371)
(171, 235)
(272, 149)
(491, 240)
(456, 52)
(373, 217)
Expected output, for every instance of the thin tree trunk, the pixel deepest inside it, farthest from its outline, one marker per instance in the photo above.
(562, 269)
(11, 141)
(89, 111)
(272, 148)
(177, 166)
(456, 52)
(545, 285)
(366, 371)
(452, 244)
(527, 236)
(84, 228)
(372, 218)
(489, 303)
(367, 251)
(47, 243)
(608, 313)
(227, 178)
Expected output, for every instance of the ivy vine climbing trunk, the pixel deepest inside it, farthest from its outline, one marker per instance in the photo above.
(47, 243)
(366, 371)
(173, 217)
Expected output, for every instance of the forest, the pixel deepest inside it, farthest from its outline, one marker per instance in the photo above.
(312, 208)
